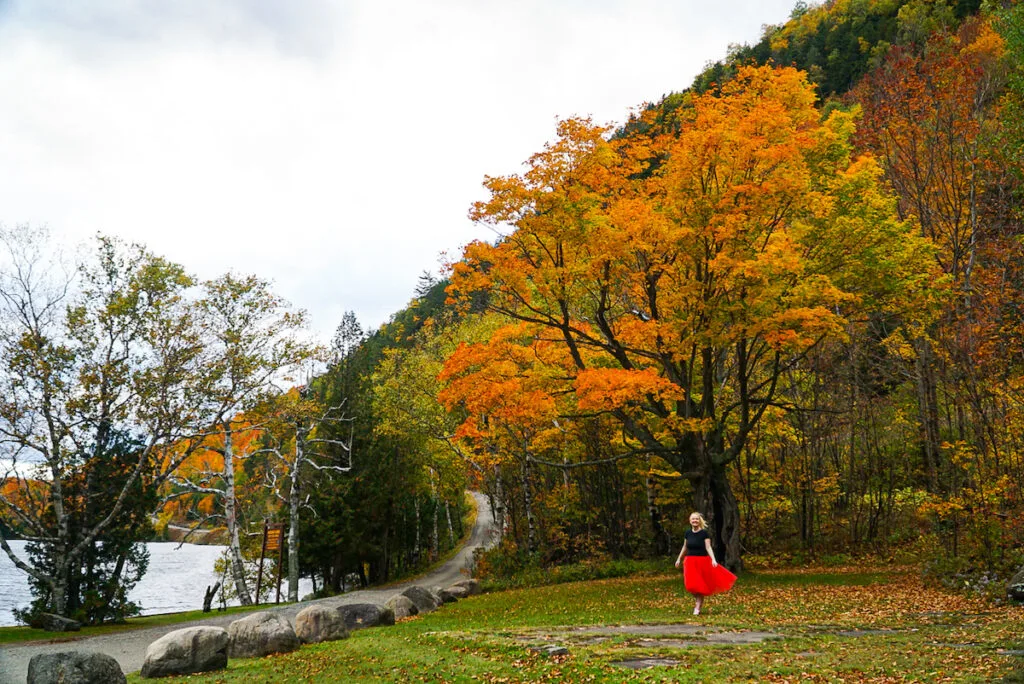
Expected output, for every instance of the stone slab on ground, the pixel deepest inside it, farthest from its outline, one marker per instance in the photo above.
(644, 663)
(699, 634)
(669, 643)
(864, 632)
(643, 630)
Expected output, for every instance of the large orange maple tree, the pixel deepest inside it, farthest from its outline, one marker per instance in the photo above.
(684, 272)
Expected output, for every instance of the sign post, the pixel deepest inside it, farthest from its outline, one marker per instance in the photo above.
(272, 534)
(263, 552)
(280, 558)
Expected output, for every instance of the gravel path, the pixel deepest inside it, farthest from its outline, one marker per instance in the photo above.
(129, 648)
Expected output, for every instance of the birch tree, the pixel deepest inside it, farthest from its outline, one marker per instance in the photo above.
(89, 354)
(292, 438)
(253, 340)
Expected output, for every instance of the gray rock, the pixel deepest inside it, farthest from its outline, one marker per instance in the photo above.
(57, 623)
(261, 634)
(1015, 587)
(447, 596)
(425, 600)
(402, 606)
(472, 586)
(74, 667)
(362, 615)
(187, 651)
(317, 623)
(456, 590)
(644, 663)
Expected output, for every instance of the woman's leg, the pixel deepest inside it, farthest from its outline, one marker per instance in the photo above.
(699, 603)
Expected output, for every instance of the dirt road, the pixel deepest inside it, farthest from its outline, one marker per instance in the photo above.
(129, 648)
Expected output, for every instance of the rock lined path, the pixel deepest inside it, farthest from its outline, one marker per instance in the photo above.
(129, 648)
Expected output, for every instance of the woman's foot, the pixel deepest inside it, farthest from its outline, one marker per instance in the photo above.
(696, 611)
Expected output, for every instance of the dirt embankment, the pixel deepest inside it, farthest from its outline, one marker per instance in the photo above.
(176, 533)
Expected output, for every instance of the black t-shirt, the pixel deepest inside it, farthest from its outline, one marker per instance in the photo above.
(695, 543)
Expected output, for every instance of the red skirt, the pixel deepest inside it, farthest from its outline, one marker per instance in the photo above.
(703, 579)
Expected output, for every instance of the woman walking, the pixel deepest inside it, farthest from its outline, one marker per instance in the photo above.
(702, 574)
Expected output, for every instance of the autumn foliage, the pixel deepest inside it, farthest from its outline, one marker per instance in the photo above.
(668, 282)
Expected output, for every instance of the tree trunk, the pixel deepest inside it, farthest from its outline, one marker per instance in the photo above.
(712, 495)
(436, 537)
(211, 592)
(498, 501)
(531, 533)
(113, 582)
(928, 410)
(662, 542)
(416, 545)
(235, 545)
(293, 525)
(451, 530)
(59, 596)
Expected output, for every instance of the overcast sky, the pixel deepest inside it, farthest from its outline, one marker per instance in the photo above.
(332, 147)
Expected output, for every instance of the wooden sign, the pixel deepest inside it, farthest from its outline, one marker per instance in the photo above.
(274, 535)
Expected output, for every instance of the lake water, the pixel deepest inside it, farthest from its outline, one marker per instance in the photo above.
(176, 580)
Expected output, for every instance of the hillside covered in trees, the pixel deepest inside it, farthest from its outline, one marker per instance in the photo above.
(789, 299)
(789, 296)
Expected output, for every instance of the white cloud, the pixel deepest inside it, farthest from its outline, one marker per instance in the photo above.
(332, 147)
(22, 468)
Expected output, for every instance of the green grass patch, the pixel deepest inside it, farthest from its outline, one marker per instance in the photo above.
(536, 576)
(860, 624)
(12, 635)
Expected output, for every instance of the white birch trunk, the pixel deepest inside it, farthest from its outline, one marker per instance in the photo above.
(230, 513)
(435, 537)
(498, 502)
(451, 530)
(293, 523)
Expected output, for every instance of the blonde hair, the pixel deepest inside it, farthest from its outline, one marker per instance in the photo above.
(703, 522)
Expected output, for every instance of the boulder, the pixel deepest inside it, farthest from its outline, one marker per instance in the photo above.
(318, 623)
(56, 623)
(424, 599)
(187, 651)
(74, 667)
(472, 586)
(362, 615)
(1015, 587)
(261, 634)
(402, 606)
(458, 591)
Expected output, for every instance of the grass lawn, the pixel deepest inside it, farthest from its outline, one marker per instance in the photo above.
(12, 635)
(865, 624)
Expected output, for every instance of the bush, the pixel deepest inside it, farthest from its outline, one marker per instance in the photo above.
(971, 570)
